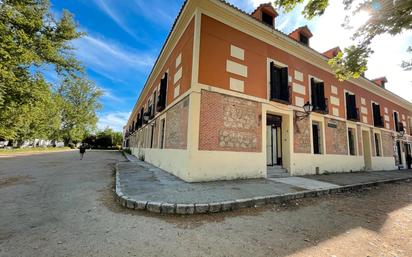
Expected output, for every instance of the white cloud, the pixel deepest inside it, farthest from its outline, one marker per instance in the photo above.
(113, 120)
(117, 18)
(151, 11)
(111, 59)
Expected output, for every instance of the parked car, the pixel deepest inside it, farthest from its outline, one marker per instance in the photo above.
(3, 144)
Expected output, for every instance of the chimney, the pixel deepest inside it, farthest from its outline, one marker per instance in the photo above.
(302, 35)
(266, 14)
(380, 81)
(332, 52)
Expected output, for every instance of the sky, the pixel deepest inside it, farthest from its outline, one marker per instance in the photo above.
(124, 37)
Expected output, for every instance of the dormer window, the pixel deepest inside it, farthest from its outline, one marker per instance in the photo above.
(267, 19)
(302, 35)
(266, 14)
(304, 39)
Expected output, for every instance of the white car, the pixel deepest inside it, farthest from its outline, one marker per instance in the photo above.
(3, 144)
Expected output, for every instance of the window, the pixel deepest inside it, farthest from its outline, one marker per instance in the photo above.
(351, 110)
(378, 144)
(267, 19)
(304, 39)
(162, 133)
(141, 118)
(161, 102)
(377, 118)
(317, 138)
(318, 96)
(352, 141)
(152, 128)
(154, 105)
(396, 121)
(279, 86)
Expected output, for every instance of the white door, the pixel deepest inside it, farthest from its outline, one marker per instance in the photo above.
(271, 146)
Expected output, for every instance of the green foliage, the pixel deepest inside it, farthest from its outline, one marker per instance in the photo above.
(104, 139)
(80, 100)
(386, 16)
(352, 65)
(31, 38)
(312, 8)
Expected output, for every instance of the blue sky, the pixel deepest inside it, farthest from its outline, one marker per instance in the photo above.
(124, 38)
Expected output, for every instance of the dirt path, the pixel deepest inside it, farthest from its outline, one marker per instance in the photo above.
(55, 205)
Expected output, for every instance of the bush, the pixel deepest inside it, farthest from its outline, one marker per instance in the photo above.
(71, 145)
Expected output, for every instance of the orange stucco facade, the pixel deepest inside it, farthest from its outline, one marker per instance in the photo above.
(221, 121)
(216, 39)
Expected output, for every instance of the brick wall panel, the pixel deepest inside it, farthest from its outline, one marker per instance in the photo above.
(176, 125)
(229, 123)
(336, 138)
(301, 133)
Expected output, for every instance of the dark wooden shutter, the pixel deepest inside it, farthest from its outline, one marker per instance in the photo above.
(284, 84)
(396, 120)
(351, 113)
(377, 115)
(321, 96)
(314, 94)
(276, 83)
(272, 80)
(161, 103)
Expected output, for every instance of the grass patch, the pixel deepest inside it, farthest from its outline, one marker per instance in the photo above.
(33, 150)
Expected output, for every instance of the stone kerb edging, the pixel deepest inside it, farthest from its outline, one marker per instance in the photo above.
(214, 207)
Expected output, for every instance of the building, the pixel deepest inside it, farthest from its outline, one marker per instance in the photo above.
(225, 100)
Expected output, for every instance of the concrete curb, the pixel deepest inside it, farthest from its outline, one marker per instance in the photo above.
(213, 207)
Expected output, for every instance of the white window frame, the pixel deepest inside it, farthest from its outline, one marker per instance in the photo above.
(355, 135)
(380, 143)
(321, 124)
(393, 117)
(277, 64)
(344, 101)
(310, 86)
(373, 117)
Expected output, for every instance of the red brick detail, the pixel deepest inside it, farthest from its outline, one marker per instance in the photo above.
(229, 123)
(387, 144)
(336, 137)
(176, 125)
(301, 135)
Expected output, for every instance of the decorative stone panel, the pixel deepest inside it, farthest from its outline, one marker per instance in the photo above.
(387, 144)
(229, 123)
(336, 137)
(301, 133)
(176, 125)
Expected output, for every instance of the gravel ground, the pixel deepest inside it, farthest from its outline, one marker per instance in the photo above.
(56, 205)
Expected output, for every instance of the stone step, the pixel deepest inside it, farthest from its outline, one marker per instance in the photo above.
(276, 172)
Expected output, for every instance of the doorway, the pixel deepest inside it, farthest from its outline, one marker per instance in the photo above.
(367, 150)
(273, 140)
(407, 148)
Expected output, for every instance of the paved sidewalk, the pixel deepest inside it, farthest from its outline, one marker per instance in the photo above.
(140, 185)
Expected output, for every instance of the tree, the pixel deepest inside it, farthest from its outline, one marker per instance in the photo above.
(79, 104)
(386, 16)
(30, 38)
(106, 138)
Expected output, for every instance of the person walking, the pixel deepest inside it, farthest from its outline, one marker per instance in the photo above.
(82, 149)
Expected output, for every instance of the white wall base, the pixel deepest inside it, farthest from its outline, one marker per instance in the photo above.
(305, 164)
